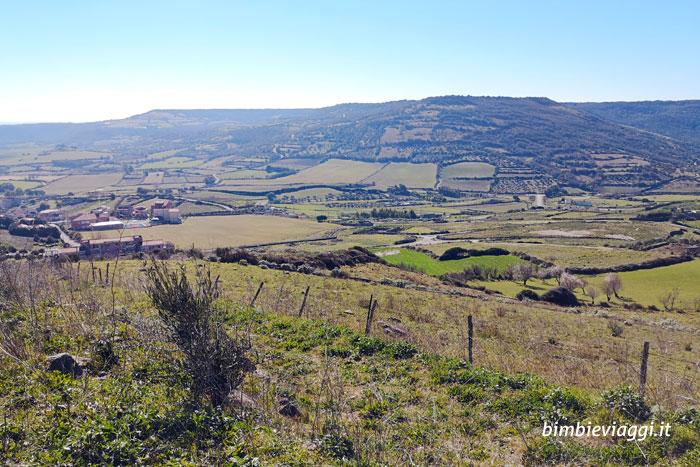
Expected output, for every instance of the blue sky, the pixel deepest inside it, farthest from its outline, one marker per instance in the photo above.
(81, 61)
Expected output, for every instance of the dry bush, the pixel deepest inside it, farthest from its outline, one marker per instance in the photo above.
(500, 311)
(214, 361)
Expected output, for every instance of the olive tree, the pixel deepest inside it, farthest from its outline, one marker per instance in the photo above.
(522, 272)
(612, 284)
(592, 293)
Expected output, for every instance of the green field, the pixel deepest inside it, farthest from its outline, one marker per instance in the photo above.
(331, 172)
(693, 224)
(221, 231)
(193, 208)
(319, 193)
(37, 156)
(153, 178)
(163, 154)
(562, 255)
(295, 164)
(645, 287)
(467, 185)
(82, 183)
(172, 163)
(411, 175)
(243, 175)
(648, 286)
(468, 170)
(424, 263)
(347, 240)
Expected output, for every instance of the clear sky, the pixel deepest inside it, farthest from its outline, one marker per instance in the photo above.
(93, 60)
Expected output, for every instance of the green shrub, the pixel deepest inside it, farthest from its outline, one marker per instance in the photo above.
(626, 402)
(367, 345)
(560, 296)
(337, 446)
(400, 350)
(527, 294)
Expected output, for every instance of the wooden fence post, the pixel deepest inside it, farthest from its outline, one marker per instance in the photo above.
(643, 370)
(303, 302)
(370, 314)
(470, 326)
(107, 278)
(100, 271)
(256, 294)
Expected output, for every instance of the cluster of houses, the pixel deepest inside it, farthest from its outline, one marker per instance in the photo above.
(575, 202)
(100, 218)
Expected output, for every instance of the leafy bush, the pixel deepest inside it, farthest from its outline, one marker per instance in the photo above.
(459, 253)
(527, 294)
(337, 272)
(337, 446)
(560, 296)
(563, 406)
(615, 328)
(626, 402)
(400, 350)
(367, 345)
(227, 255)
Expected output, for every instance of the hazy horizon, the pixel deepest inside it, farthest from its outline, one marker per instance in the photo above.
(165, 109)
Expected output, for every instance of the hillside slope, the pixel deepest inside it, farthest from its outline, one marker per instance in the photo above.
(535, 138)
(322, 393)
(677, 119)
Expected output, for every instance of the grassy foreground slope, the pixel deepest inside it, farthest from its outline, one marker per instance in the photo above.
(362, 401)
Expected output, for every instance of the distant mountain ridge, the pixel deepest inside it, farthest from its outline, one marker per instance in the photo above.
(586, 145)
(677, 119)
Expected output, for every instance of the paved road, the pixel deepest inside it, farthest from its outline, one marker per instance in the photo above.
(65, 238)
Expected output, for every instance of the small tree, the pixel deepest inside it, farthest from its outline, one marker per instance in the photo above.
(612, 284)
(522, 272)
(569, 281)
(214, 361)
(555, 272)
(668, 300)
(592, 293)
(582, 284)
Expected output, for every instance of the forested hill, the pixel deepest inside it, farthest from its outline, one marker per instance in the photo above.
(678, 119)
(569, 143)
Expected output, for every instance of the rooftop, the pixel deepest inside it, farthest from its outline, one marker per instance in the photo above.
(154, 242)
(85, 217)
(107, 223)
(130, 238)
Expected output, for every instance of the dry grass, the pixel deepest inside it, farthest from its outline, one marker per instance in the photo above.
(221, 231)
(566, 347)
(411, 175)
(82, 183)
